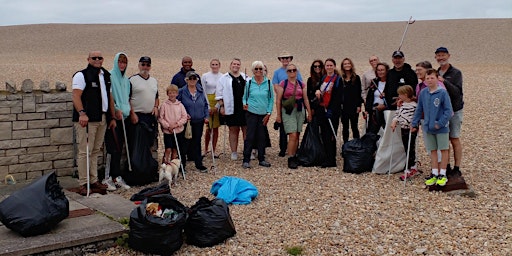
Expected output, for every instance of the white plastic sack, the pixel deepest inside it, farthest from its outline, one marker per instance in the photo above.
(389, 144)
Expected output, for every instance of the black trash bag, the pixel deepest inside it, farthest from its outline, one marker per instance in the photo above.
(36, 208)
(155, 235)
(311, 151)
(144, 166)
(163, 188)
(359, 154)
(209, 223)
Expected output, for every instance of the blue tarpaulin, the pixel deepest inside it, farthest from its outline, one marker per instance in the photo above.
(234, 190)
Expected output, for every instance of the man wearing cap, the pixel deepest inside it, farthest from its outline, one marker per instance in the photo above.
(92, 100)
(280, 75)
(144, 99)
(186, 66)
(451, 77)
(401, 74)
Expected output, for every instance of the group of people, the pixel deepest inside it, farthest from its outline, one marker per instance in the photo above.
(106, 100)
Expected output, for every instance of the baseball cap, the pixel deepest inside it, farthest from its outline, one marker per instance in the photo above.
(442, 49)
(145, 59)
(398, 54)
(191, 73)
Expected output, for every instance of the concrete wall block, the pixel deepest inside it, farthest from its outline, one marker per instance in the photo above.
(61, 136)
(8, 160)
(19, 125)
(7, 117)
(4, 170)
(64, 172)
(59, 114)
(4, 111)
(47, 123)
(8, 144)
(27, 134)
(22, 176)
(16, 110)
(68, 147)
(15, 152)
(34, 175)
(66, 122)
(6, 130)
(47, 132)
(50, 156)
(2, 152)
(39, 98)
(57, 97)
(70, 106)
(67, 163)
(34, 142)
(29, 104)
(33, 150)
(48, 107)
(30, 116)
(11, 103)
(30, 158)
(30, 167)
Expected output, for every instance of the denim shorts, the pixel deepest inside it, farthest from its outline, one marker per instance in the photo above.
(456, 124)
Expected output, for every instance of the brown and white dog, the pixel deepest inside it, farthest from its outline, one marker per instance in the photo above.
(169, 171)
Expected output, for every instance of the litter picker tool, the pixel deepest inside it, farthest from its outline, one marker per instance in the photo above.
(407, 159)
(213, 167)
(179, 153)
(391, 153)
(87, 158)
(332, 128)
(126, 143)
(410, 21)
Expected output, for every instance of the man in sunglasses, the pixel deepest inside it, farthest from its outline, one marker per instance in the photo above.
(186, 66)
(280, 75)
(144, 102)
(92, 100)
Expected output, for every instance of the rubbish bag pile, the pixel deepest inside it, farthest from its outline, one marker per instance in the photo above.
(311, 150)
(359, 154)
(36, 208)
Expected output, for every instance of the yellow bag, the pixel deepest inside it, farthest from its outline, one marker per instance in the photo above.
(188, 131)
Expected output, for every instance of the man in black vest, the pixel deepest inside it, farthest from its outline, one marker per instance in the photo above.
(400, 74)
(92, 101)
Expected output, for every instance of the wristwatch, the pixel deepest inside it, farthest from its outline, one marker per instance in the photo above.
(81, 112)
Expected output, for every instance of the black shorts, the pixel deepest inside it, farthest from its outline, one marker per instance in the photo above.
(169, 141)
(236, 119)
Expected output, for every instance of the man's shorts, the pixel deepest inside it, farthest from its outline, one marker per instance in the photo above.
(456, 124)
(438, 141)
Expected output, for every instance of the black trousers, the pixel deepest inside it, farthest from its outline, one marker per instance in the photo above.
(255, 134)
(350, 119)
(329, 138)
(283, 139)
(192, 147)
(114, 143)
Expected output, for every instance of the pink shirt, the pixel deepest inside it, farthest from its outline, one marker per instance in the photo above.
(289, 90)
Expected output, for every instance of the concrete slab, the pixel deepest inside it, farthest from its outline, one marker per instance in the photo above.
(68, 233)
(112, 205)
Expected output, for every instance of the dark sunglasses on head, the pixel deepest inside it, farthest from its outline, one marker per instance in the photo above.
(144, 64)
(291, 70)
(192, 78)
(317, 66)
(97, 58)
(258, 69)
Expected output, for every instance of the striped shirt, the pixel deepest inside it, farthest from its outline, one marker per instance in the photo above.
(405, 113)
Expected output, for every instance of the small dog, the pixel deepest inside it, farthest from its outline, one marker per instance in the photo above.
(169, 171)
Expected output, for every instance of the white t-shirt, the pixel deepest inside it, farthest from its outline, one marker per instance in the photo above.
(376, 94)
(79, 83)
(210, 81)
(144, 93)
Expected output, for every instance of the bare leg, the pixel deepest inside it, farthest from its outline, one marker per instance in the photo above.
(206, 141)
(433, 160)
(167, 152)
(293, 142)
(174, 154)
(233, 137)
(444, 159)
(244, 131)
(457, 150)
(215, 138)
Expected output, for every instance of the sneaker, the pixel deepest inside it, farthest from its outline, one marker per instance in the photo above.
(282, 153)
(441, 180)
(202, 168)
(264, 163)
(409, 174)
(120, 183)
(431, 180)
(254, 154)
(246, 165)
(234, 156)
(111, 186)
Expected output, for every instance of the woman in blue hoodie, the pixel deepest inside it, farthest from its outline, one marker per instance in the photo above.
(114, 136)
(193, 98)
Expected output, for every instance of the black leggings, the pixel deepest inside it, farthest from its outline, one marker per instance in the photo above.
(352, 120)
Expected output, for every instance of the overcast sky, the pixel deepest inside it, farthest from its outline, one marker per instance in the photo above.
(255, 11)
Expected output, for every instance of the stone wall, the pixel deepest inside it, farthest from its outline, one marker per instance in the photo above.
(36, 134)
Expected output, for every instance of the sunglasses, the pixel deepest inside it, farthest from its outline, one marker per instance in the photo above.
(145, 64)
(285, 58)
(317, 66)
(97, 58)
(192, 78)
(258, 69)
(291, 70)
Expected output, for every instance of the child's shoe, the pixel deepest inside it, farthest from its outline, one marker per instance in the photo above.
(409, 173)
(431, 180)
(441, 180)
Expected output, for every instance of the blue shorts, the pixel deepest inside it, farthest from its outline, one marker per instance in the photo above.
(456, 124)
(438, 141)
